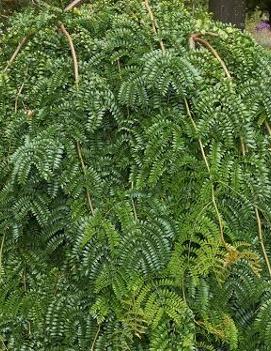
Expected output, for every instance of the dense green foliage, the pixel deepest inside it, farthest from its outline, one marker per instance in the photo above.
(134, 207)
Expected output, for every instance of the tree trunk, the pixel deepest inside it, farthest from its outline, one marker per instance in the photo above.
(229, 11)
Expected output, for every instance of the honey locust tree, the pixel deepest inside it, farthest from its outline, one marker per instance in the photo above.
(135, 181)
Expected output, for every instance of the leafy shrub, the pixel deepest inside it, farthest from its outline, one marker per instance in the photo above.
(135, 181)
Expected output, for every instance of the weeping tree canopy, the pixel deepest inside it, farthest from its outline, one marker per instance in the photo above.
(135, 181)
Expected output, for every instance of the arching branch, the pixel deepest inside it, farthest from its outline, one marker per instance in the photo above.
(196, 38)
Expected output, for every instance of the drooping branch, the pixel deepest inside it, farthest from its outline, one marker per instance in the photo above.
(154, 23)
(196, 38)
(259, 225)
(134, 206)
(95, 338)
(73, 4)
(219, 218)
(260, 234)
(268, 127)
(76, 79)
(18, 96)
(1, 253)
(83, 166)
(73, 52)
(16, 52)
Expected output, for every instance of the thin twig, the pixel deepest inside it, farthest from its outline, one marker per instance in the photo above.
(221, 226)
(73, 52)
(1, 254)
(195, 38)
(220, 221)
(183, 291)
(134, 207)
(76, 79)
(3, 344)
(243, 147)
(73, 4)
(95, 338)
(154, 23)
(268, 127)
(17, 98)
(260, 233)
(14, 55)
(79, 151)
(212, 34)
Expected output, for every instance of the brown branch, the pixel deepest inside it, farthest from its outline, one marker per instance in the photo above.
(1, 253)
(76, 79)
(259, 225)
(260, 233)
(16, 52)
(133, 204)
(79, 151)
(243, 147)
(154, 23)
(195, 38)
(221, 226)
(95, 338)
(17, 98)
(73, 52)
(73, 4)
(192, 40)
(212, 34)
(199, 140)
(268, 127)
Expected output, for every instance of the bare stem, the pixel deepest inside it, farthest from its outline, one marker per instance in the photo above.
(195, 38)
(16, 52)
(260, 233)
(268, 127)
(76, 79)
(154, 23)
(134, 207)
(243, 147)
(79, 151)
(220, 221)
(73, 52)
(95, 338)
(221, 226)
(17, 97)
(1, 255)
(73, 4)
(199, 140)
(259, 225)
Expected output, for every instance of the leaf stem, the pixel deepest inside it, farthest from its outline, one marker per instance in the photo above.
(196, 38)
(95, 338)
(76, 79)
(259, 225)
(220, 221)
(16, 52)
(260, 233)
(73, 4)
(268, 127)
(83, 166)
(73, 52)
(154, 23)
